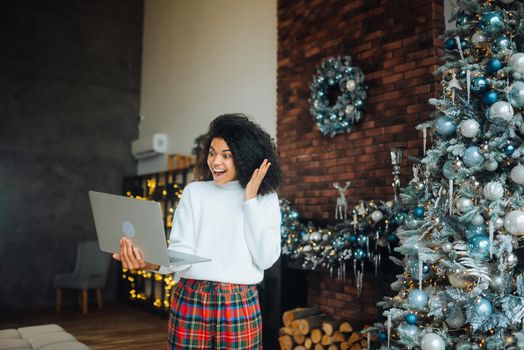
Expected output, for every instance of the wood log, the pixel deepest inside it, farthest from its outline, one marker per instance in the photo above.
(345, 327)
(316, 335)
(285, 331)
(364, 343)
(333, 347)
(319, 347)
(308, 343)
(305, 325)
(326, 340)
(338, 337)
(297, 313)
(285, 342)
(299, 347)
(298, 337)
(294, 324)
(356, 346)
(355, 338)
(330, 326)
(344, 345)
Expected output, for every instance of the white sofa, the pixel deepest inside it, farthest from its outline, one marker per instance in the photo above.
(43, 337)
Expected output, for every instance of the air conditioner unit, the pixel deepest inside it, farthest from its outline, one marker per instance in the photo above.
(149, 146)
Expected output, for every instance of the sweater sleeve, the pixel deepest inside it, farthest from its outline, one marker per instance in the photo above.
(262, 229)
(182, 236)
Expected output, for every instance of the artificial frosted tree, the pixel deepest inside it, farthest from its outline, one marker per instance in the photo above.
(462, 216)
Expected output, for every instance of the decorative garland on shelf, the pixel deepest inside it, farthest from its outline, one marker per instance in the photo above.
(337, 95)
(365, 237)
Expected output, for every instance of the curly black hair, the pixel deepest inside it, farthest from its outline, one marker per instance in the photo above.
(249, 144)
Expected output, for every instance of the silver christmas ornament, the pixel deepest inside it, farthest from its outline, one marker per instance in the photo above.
(477, 220)
(478, 38)
(516, 94)
(455, 317)
(517, 174)
(491, 165)
(377, 215)
(469, 128)
(514, 222)
(432, 341)
(497, 282)
(493, 190)
(501, 110)
(447, 247)
(463, 204)
(512, 260)
(499, 222)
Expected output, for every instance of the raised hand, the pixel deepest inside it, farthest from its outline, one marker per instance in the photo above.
(256, 179)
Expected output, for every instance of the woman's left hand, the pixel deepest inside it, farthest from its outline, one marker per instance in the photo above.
(256, 179)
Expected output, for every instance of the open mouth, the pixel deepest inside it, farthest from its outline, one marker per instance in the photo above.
(218, 172)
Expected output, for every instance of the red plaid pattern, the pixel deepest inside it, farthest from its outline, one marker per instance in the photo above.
(213, 315)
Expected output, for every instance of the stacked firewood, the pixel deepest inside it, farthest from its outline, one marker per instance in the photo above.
(310, 329)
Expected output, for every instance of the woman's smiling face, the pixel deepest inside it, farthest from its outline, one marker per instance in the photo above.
(220, 162)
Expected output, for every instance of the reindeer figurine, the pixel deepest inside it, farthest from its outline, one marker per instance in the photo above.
(342, 204)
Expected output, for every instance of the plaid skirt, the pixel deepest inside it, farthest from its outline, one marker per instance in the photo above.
(213, 315)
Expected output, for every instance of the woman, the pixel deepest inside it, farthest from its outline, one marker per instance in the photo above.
(231, 215)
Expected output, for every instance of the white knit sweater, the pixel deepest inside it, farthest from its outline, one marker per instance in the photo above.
(242, 238)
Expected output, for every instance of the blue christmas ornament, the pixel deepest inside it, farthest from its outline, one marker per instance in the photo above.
(483, 306)
(362, 240)
(479, 84)
(448, 170)
(464, 44)
(382, 337)
(418, 212)
(445, 126)
(500, 43)
(516, 94)
(489, 97)
(492, 22)
(411, 318)
(418, 298)
(493, 65)
(475, 230)
(359, 254)
(353, 238)
(450, 44)
(509, 149)
(399, 218)
(479, 246)
(472, 157)
(358, 103)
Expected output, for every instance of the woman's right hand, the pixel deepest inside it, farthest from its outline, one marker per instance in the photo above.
(131, 257)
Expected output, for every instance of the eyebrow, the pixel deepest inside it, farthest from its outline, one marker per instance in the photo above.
(224, 150)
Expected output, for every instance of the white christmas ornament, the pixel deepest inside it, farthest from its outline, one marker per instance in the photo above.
(469, 128)
(514, 222)
(517, 174)
(432, 341)
(464, 204)
(351, 85)
(493, 190)
(521, 128)
(377, 215)
(501, 110)
(516, 62)
(315, 236)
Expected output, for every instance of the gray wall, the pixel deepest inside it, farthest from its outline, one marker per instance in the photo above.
(69, 102)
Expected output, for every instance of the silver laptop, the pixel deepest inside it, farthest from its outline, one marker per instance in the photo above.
(139, 220)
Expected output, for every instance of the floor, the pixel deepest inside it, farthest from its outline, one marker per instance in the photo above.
(118, 326)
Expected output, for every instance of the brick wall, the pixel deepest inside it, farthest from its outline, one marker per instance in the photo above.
(395, 43)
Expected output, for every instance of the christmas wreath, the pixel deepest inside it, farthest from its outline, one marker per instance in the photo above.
(337, 95)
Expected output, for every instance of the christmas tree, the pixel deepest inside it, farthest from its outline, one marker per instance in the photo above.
(462, 216)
